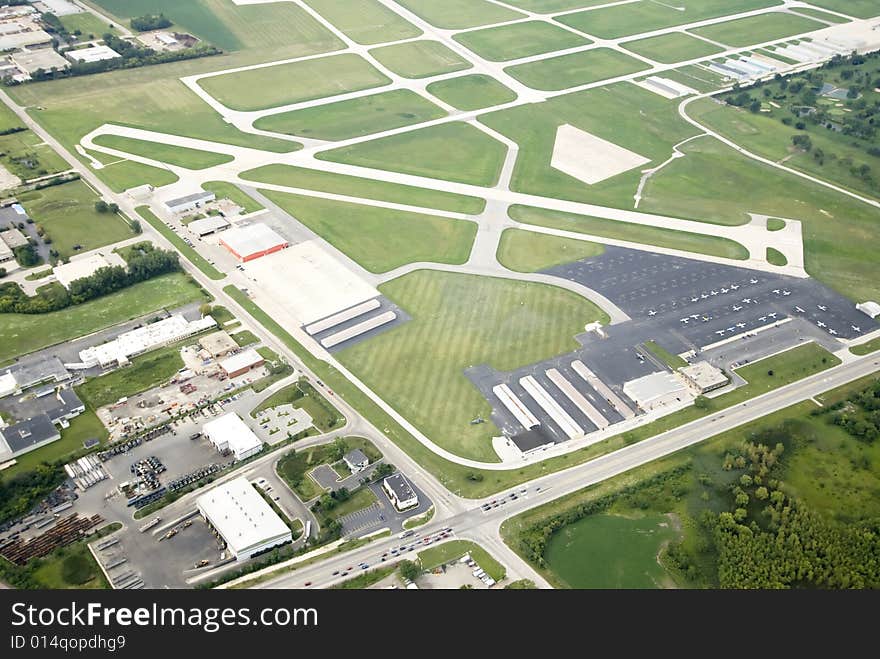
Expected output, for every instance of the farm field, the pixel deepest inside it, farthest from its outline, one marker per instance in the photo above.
(475, 158)
(312, 179)
(459, 14)
(381, 239)
(461, 321)
(294, 82)
(758, 29)
(471, 92)
(354, 117)
(509, 42)
(420, 59)
(575, 69)
(525, 251)
(365, 21)
(167, 153)
(672, 48)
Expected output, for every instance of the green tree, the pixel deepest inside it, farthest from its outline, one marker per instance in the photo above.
(409, 570)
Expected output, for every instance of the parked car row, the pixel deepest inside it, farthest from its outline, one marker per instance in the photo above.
(193, 477)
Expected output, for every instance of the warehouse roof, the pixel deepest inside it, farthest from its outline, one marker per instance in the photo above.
(252, 239)
(231, 431)
(85, 267)
(653, 386)
(25, 435)
(208, 225)
(400, 486)
(240, 360)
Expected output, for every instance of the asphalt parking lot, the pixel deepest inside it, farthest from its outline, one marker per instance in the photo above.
(382, 514)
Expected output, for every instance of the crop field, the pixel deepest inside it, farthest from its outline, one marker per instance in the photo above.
(575, 69)
(167, 153)
(294, 82)
(471, 92)
(460, 321)
(420, 59)
(354, 117)
(365, 21)
(453, 151)
(525, 251)
(312, 179)
(672, 48)
(381, 239)
(638, 17)
(67, 213)
(508, 42)
(459, 14)
(758, 29)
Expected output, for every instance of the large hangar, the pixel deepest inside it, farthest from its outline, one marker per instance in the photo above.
(252, 242)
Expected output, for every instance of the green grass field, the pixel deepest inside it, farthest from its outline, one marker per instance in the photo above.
(866, 348)
(775, 224)
(88, 24)
(25, 155)
(461, 321)
(67, 213)
(452, 550)
(354, 117)
(365, 21)
(775, 257)
(69, 567)
(471, 92)
(8, 118)
(575, 69)
(671, 48)
(524, 251)
(459, 14)
(313, 179)
(245, 338)
(145, 372)
(188, 252)
(381, 239)
(453, 151)
(167, 153)
(229, 191)
(638, 17)
(21, 334)
(673, 361)
(294, 82)
(637, 233)
(551, 6)
(857, 8)
(509, 42)
(821, 15)
(420, 59)
(122, 175)
(697, 78)
(363, 498)
(758, 29)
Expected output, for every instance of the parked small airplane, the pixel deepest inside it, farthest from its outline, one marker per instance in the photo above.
(736, 308)
(856, 329)
(821, 307)
(799, 310)
(652, 313)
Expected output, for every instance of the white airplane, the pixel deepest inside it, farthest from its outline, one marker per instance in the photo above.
(685, 320)
(772, 314)
(720, 332)
(799, 310)
(703, 296)
(821, 324)
(856, 329)
(736, 308)
(832, 332)
(652, 313)
(777, 291)
(747, 300)
(786, 293)
(725, 290)
(740, 325)
(706, 319)
(695, 299)
(762, 318)
(734, 287)
(713, 293)
(821, 307)
(695, 316)
(730, 329)
(753, 281)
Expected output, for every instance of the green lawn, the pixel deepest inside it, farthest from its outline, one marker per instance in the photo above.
(420, 59)
(821, 15)
(459, 14)
(294, 467)
(122, 175)
(451, 551)
(67, 213)
(313, 179)
(245, 338)
(775, 257)
(525, 251)
(638, 17)
(229, 191)
(354, 117)
(365, 579)
(697, 78)
(188, 252)
(551, 6)
(565, 71)
(365, 21)
(509, 42)
(303, 395)
(145, 372)
(88, 24)
(68, 567)
(661, 353)
(471, 92)
(294, 82)
(8, 118)
(461, 321)
(21, 334)
(775, 224)
(758, 29)
(637, 233)
(671, 48)
(25, 155)
(363, 498)
(381, 239)
(453, 151)
(167, 153)
(857, 8)
(866, 348)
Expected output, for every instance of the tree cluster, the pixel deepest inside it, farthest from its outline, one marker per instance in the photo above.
(859, 415)
(150, 22)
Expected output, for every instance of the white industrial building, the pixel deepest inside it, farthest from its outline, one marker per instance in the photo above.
(400, 492)
(869, 308)
(241, 362)
(189, 202)
(252, 242)
(207, 226)
(243, 519)
(229, 433)
(85, 267)
(93, 54)
(657, 390)
(703, 377)
(135, 342)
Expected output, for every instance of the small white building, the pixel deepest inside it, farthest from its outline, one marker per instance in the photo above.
(400, 492)
(243, 519)
(80, 268)
(241, 362)
(657, 390)
(356, 460)
(189, 202)
(229, 433)
(869, 308)
(207, 226)
(703, 377)
(93, 54)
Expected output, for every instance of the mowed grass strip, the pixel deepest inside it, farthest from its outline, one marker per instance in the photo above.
(167, 153)
(460, 321)
(365, 21)
(420, 59)
(857, 8)
(294, 82)
(672, 48)
(122, 175)
(636, 233)
(758, 29)
(67, 213)
(459, 14)
(229, 191)
(21, 334)
(452, 550)
(354, 117)
(820, 15)
(638, 17)
(565, 71)
(551, 6)
(471, 92)
(381, 239)
(509, 42)
(453, 151)
(526, 251)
